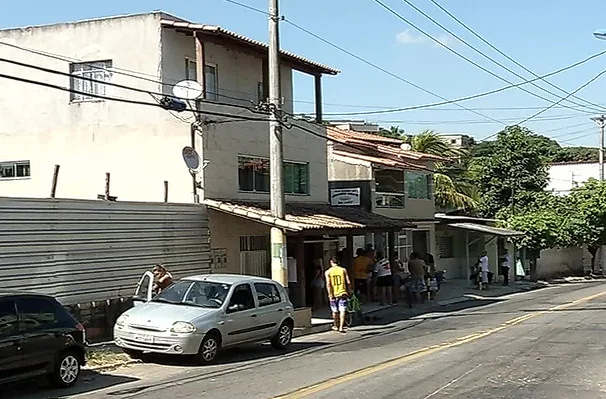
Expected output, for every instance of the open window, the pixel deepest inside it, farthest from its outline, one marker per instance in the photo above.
(241, 299)
(144, 290)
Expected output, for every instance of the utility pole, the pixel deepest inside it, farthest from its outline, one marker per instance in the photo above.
(279, 270)
(601, 120)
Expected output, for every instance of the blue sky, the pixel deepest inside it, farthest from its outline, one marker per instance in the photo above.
(543, 35)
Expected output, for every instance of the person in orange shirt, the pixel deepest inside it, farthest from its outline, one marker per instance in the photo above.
(362, 265)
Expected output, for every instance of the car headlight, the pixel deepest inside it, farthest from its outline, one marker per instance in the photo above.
(182, 327)
(121, 321)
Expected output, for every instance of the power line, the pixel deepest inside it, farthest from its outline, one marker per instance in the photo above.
(373, 65)
(439, 42)
(471, 97)
(590, 81)
(451, 15)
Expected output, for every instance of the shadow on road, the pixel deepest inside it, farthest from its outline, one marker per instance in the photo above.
(40, 389)
(237, 354)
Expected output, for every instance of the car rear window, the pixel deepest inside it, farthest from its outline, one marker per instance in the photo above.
(42, 313)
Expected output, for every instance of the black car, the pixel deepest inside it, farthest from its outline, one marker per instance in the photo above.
(38, 336)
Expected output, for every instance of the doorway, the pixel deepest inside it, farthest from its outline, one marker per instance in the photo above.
(420, 242)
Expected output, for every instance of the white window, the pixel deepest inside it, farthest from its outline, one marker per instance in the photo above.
(210, 76)
(100, 71)
(14, 170)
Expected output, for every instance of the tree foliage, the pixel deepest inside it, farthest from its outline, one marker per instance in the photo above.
(517, 164)
(394, 132)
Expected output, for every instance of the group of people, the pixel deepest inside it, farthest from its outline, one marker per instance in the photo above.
(376, 276)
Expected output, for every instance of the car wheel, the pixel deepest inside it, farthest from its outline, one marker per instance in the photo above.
(67, 369)
(209, 348)
(283, 337)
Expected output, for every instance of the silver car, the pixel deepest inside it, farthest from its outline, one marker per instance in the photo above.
(198, 315)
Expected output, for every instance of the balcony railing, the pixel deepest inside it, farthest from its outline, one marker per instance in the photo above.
(390, 200)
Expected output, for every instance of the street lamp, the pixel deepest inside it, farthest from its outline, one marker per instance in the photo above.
(600, 34)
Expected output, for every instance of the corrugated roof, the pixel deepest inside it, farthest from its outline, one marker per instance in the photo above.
(363, 136)
(217, 30)
(495, 231)
(374, 159)
(301, 217)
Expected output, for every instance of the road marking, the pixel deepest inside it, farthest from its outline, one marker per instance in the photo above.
(364, 372)
(437, 391)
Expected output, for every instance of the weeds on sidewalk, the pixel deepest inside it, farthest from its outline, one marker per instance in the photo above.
(104, 357)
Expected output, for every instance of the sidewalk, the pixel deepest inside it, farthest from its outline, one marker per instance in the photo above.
(451, 292)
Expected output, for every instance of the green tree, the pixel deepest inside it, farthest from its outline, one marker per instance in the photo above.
(577, 154)
(393, 132)
(589, 203)
(517, 164)
(451, 190)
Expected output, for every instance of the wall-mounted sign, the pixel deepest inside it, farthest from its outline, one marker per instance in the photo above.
(345, 196)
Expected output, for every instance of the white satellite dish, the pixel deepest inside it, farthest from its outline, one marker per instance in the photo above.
(191, 158)
(187, 89)
(405, 147)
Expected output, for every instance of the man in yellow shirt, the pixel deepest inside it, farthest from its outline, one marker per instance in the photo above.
(338, 286)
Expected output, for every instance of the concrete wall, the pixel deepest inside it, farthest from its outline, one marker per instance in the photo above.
(457, 266)
(559, 262)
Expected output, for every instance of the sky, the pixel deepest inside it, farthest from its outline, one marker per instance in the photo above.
(542, 35)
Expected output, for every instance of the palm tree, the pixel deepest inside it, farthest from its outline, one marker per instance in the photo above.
(450, 189)
(393, 132)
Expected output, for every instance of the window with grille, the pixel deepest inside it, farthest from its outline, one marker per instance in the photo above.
(82, 72)
(14, 170)
(253, 176)
(254, 243)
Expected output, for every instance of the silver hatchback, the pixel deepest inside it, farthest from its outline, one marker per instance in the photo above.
(198, 315)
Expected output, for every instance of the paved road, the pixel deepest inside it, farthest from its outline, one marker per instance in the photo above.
(548, 343)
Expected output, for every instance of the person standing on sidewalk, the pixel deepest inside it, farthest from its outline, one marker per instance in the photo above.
(417, 269)
(484, 268)
(384, 279)
(338, 286)
(505, 266)
(362, 265)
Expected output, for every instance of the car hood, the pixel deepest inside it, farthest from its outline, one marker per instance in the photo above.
(161, 316)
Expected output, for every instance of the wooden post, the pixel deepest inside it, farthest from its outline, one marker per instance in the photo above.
(54, 183)
(107, 186)
(318, 97)
(165, 191)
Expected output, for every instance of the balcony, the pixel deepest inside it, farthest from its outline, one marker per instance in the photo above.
(389, 200)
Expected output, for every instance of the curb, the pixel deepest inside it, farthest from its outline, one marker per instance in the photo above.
(111, 365)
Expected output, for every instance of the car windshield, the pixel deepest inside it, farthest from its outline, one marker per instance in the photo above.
(206, 294)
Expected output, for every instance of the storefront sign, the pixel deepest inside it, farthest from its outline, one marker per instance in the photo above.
(345, 196)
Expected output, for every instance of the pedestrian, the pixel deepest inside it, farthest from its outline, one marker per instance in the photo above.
(505, 266)
(417, 269)
(162, 278)
(484, 268)
(384, 279)
(338, 286)
(317, 286)
(362, 265)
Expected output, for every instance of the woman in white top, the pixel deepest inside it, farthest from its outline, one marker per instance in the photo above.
(384, 279)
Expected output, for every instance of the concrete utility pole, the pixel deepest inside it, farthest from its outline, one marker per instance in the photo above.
(279, 270)
(601, 120)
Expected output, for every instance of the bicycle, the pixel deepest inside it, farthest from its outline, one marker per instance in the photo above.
(354, 311)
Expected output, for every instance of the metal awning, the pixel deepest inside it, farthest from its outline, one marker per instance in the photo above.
(495, 231)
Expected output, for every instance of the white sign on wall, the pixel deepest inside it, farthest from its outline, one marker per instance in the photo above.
(345, 196)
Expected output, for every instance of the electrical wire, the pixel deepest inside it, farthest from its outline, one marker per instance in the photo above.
(490, 58)
(451, 15)
(440, 43)
(470, 97)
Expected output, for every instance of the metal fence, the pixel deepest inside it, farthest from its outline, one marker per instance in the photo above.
(84, 251)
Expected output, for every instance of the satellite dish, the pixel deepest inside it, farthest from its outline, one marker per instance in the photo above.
(405, 147)
(191, 158)
(187, 89)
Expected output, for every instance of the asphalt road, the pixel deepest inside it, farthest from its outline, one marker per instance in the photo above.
(548, 343)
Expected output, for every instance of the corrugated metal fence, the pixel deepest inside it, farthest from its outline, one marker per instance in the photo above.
(84, 251)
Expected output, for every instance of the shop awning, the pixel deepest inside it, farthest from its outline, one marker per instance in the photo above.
(495, 231)
(311, 217)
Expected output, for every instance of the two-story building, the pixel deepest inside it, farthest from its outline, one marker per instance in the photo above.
(78, 110)
(384, 177)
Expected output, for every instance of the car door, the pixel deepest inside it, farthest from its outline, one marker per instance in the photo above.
(10, 340)
(271, 308)
(42, 331)
(241, 318)
(144, 290)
